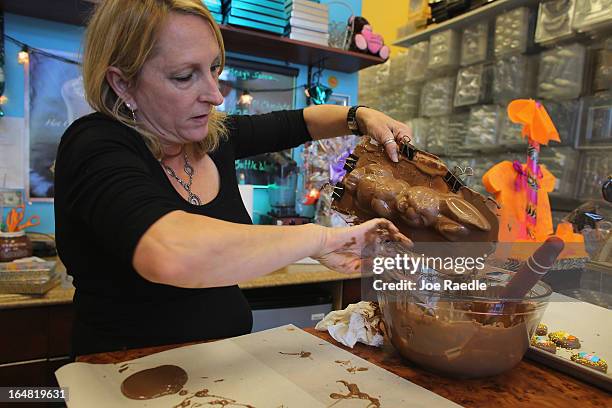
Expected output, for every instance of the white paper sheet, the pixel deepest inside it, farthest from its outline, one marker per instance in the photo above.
(264, 369)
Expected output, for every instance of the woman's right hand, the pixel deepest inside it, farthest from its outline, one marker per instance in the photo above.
(343, 247)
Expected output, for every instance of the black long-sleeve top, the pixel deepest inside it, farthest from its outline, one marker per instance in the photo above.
(109, 189)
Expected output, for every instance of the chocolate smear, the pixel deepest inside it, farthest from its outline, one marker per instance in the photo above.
(354, 393)
(154, 382)
(302, 354)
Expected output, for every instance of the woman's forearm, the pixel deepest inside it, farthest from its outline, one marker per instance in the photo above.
(210, 252)
(326, 121)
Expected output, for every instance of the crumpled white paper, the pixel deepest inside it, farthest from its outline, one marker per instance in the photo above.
(359, 322)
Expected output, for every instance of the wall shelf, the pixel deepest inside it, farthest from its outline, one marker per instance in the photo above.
(237, 39)
(464, 20)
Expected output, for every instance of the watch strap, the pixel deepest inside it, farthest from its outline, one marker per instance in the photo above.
(351, 120)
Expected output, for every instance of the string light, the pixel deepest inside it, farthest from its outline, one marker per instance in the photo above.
(3, 100)
(312, 196)
(23, 57)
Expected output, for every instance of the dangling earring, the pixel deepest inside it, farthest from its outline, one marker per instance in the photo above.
(131, 110)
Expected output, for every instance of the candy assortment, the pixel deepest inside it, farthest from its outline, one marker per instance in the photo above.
(474, 44)
(473, 85)
(561, 72)
(444, 50)
(482, 126)
(514, 78)
(512, 31)
(437, 97)
(418, 60)
(591, 14)
(554, 20)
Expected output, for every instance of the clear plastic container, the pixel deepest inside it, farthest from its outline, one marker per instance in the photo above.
(602, 77)
(420, 127)
(474, 44)
(512, 32)
(483, 126)
(592, 14)
(416, 70)
(397, 68)
(402, 101)
(509, 132)
(444, 50)
(437, 135)
(561, 72)
(457, 132)
(514, 77)
(562, 162)
(595, 168)
(30, 270)
(554, 21)
(437, 97)
(473, 85)
(597, 121)
(566, 117)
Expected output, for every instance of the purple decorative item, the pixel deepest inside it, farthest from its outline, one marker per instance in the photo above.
(336, 168)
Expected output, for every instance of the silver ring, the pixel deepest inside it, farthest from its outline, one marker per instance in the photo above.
(542, 271)
(540, 266)
(386, 142)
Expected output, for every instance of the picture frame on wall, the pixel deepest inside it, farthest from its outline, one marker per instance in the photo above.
(54, 98)
(339, 99)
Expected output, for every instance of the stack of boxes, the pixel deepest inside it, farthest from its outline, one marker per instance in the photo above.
(214, 6)
(308, 21)
(301, 20)
(265, 15)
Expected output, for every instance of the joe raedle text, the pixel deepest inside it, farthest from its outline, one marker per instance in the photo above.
(446, 284)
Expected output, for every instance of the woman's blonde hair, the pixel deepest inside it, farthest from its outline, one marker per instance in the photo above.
(122, 33)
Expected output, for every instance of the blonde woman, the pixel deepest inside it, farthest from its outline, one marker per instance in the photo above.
(149, 219)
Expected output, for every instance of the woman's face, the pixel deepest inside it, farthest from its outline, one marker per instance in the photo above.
(178, 85)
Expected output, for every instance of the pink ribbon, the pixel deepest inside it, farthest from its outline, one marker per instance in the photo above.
(522, 177)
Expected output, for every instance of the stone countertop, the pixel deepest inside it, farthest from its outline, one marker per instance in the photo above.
(294, 274)
(529, 384)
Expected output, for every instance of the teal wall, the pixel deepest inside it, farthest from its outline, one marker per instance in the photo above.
(53, 36)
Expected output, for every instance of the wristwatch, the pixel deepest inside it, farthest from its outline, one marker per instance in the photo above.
(351, 120)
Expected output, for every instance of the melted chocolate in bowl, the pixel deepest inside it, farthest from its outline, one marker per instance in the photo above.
(154, 382)
(464, 337)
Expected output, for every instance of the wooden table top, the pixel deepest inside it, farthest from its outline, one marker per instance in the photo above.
(527, 385)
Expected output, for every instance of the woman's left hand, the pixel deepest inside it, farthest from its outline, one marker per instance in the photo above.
(385, 130)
